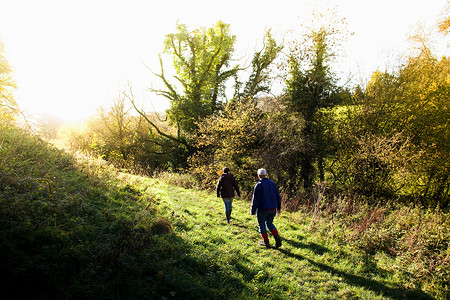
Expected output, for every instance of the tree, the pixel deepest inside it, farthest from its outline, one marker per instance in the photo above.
(229, 139)
(201, 59)
(232, 136)
(177, 145)
(202, 63)
(412, 104)
(444, 23)
(121, 138)
(281, 143)
(8, 106)
(259, 79)
(312, 86)
(116, 130)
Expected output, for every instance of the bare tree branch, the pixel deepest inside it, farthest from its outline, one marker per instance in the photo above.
(182, 141)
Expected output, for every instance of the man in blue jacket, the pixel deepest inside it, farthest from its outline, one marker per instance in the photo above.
(266, 203)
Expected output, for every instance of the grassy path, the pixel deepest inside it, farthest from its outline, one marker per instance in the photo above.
(208, 258)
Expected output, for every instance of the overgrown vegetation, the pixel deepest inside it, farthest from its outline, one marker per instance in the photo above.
(74, 227)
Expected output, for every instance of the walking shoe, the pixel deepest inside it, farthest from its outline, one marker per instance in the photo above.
(265, 243)
(227, 214)
(277, 241)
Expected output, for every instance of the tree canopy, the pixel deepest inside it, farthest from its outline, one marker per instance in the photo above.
(8, 105)
(202, 60)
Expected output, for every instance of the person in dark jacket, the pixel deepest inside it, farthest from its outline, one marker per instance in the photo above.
(226, 185)
(266, 204)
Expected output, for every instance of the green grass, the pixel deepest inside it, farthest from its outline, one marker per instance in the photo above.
(76, 229)
(226, 261)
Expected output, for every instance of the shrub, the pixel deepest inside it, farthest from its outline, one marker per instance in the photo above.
(415, 239)
(378, 167)
(161, 226)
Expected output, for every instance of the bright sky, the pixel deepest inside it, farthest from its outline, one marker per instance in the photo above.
(70, 57)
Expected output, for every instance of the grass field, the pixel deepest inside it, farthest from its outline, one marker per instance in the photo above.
(219, 260)
(75, 228)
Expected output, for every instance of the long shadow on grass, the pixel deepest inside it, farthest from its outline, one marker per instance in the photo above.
(394, 293)
(317, 249)
(182, 271)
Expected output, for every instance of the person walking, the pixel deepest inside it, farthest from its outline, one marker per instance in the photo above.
(266, 204)
(226, 185)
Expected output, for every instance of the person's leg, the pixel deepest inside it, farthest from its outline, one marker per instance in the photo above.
(272, 228)
(262, 219)
(269, 220)
(227, 202)
(277, 240)
(261, 216)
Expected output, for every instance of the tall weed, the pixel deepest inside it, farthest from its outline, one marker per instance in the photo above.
(179, 179)
(413, 241)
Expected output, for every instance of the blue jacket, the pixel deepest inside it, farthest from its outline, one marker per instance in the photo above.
(265, 196)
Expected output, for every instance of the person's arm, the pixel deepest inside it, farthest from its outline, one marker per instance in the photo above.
(278, 201)
(218, 187)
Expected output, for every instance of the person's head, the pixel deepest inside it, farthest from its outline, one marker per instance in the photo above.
(226, 170)
(262, 173)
